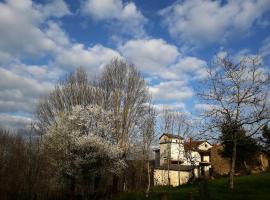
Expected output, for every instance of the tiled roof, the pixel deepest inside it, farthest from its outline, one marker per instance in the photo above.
(171, 136)
(192, 145)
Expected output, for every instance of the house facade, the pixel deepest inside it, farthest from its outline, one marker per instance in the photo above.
(177, 161)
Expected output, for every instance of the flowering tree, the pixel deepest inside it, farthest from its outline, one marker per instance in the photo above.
(82, 142)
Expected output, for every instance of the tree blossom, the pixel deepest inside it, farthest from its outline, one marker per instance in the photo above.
(83, 141)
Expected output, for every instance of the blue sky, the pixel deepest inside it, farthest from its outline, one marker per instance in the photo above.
(170, 42)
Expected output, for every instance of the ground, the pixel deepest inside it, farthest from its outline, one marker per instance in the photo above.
(249, 187)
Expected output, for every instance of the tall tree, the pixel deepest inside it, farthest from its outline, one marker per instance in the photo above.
(73, 90)
(265, 138)
(148, 139)
(238, 94)
(126, 94)
(247, 147)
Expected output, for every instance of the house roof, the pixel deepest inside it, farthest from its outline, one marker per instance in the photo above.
(171, 136)
(176, 167)
(193, 144)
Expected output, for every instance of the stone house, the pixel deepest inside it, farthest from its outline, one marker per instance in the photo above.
(221, 165)
(177, 161)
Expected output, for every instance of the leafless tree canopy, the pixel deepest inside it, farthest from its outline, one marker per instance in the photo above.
(126, 94)
(237, 94)
(73, 90)
(175, 122)
(121, 90)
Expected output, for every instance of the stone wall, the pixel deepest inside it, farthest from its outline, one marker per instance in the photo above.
(176, 177)
(220, 165)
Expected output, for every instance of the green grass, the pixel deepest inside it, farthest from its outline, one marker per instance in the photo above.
(251, 187)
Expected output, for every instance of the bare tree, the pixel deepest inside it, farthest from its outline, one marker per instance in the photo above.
(148, 136)
(74, 90)
(183, 130)
(237, 94)
(120, 89)
(125, 93)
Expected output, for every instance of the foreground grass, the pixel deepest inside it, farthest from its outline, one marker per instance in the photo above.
(251, 187)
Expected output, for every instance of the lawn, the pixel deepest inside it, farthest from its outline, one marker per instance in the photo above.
(255, 187)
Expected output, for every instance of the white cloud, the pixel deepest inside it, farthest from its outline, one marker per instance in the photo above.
(56, 8)
(19, 93)
(202, 107)
(155, 57)
(199, 21)
(12, 121)
(171, 90)
(180, 106)
(265, 49)
(125, 17)
(24, 24)
(29, 30)
(222, 54)
(152, 56)
(191, 67)
(92, 58)
(39, 73)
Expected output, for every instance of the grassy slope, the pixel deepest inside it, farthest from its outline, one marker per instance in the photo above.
(255, 187)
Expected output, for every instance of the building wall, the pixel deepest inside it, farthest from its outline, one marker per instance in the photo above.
(206, 158)
(204, 146)
(173, 149)
(164, 152)
(192, 158)
(177, 151)
(176, 177)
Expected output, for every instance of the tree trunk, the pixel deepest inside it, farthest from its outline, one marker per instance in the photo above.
(149, 179)
(115, 184)
(168, 173)
(233, 160)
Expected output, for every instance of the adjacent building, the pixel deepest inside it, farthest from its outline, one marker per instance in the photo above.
(177, 161)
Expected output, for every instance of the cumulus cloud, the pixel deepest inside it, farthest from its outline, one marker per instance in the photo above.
(19, 93)
(124, 16)
(12, 121)
(180, 106)
(199, 21)
(191, 67)
(156, 57)
(171, 90)
(92, 58)
(23, 26)
(29, 30)
(265, 49)
(151, 56)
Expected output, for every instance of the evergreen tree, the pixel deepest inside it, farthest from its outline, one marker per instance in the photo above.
(247, 147)
(266, 139)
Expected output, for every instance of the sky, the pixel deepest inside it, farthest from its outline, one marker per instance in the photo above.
(170, 42)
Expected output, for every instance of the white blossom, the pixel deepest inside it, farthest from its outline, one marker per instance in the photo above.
(84, 139)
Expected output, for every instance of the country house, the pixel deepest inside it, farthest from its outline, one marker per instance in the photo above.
(177, 161)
